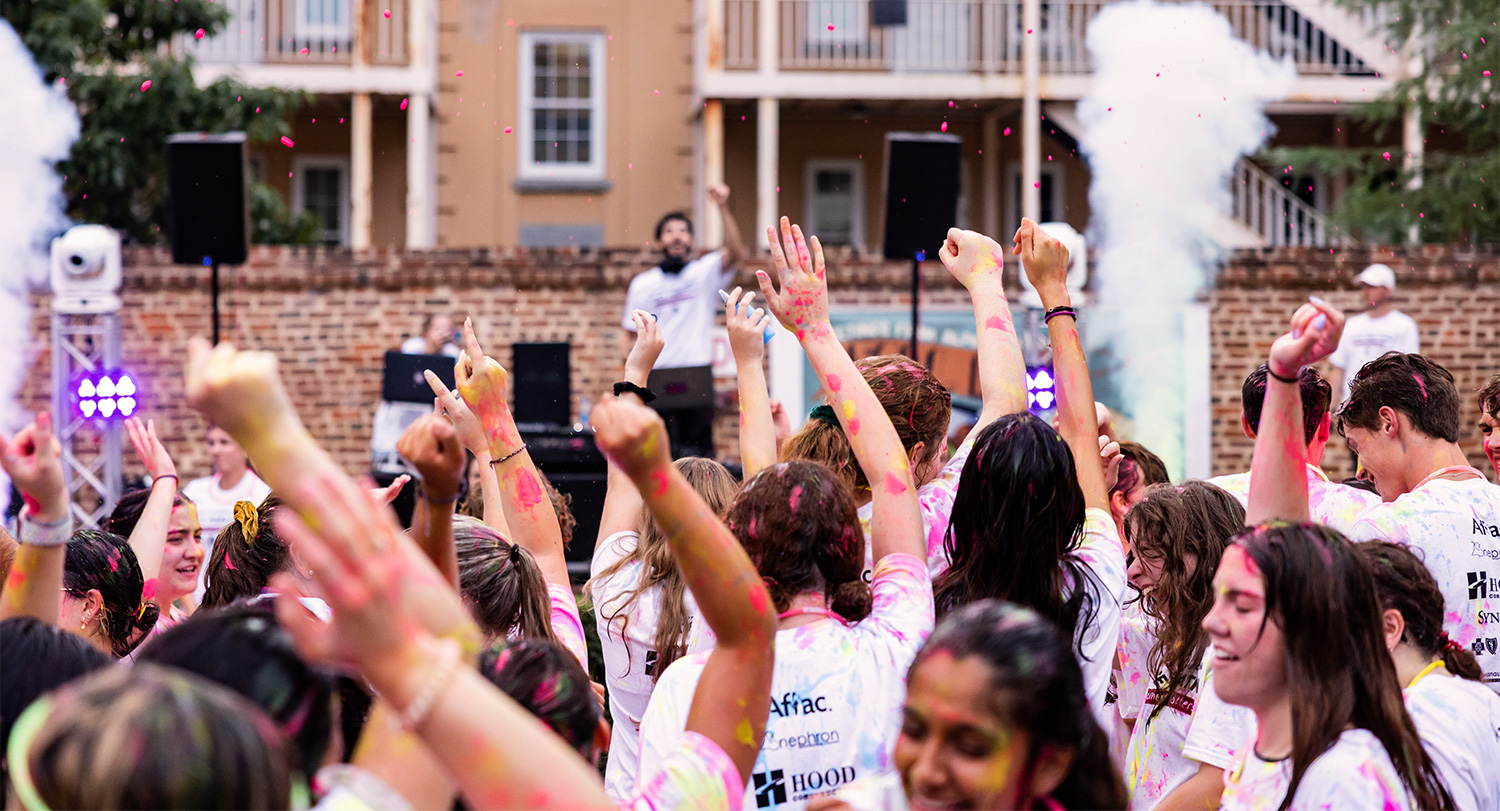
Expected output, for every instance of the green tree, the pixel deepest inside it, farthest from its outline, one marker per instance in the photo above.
(105, 52)
(1457, 92)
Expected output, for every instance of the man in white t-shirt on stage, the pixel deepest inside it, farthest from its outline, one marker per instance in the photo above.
(1402, 418)
(682, 293)
(1372, 333)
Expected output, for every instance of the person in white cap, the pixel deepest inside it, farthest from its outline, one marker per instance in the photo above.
(1373, 332)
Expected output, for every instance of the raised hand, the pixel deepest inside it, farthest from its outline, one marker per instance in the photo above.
(747, 327)
(1045, 260)
(718, 194)
(390, 492)
(647, 348)
(1109, 459)
(1315, 332)
(153, 454)
(466, 424)
(973, 258)
(631, 435)
(802, 303)
(431, 445)
(240, 392)
(481, 382)
(33, 460)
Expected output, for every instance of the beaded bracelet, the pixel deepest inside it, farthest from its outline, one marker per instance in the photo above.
(442, 672)
(46, 533)
(507, 457)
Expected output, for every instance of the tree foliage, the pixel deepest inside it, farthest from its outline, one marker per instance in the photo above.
(104, 51)
(1457, 91)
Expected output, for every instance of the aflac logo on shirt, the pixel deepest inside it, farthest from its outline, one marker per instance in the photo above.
(797, 704)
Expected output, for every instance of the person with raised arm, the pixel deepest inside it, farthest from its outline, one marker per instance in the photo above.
(842, 645)
(645, 617)
(747, 329)
(33, 461)
(1031, 521)
(162, 526)
(431, 446)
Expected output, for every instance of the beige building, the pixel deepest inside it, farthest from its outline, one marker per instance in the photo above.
(454, 123)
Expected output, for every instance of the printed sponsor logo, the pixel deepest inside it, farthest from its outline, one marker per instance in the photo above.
(806, 741)
(1489, 618)
(1180, 702)
(1475, 550)
(1486, 645)
(1479, 586)
(650, 663)
(770, 788)
(1481, 528)
(796, 704)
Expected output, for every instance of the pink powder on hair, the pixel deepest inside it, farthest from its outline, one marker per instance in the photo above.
(1420, 383)
(796, 497)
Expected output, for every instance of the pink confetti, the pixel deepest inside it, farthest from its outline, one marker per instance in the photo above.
(459, 74)
(403, 104)
(198, 34)
(387, 14)
(304, 52)
(287, 142)
(1007, 131)
(1385, 155)
(507, 130)
(146, 85)
(944, 127)
(830, 26)
(1028, 30)
(1038, 185)
(1486, 73)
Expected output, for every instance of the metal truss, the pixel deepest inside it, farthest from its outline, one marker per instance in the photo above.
(90, 446)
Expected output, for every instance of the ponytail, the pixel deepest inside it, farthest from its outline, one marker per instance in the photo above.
(501, 583)
(1405, 585)
(1459, 661)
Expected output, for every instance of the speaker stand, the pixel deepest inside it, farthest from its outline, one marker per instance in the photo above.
(213, 292)
(916, 301)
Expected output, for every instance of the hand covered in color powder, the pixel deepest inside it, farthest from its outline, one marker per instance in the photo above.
(481, 382)
(431, 445)
(647, 348)
(973, 258)
(240, 392)
(33, 460)
(465, 423)
(747, 327)
(1044, 258)
(802, 304)
(1316, 329)
(153, 454)
(631, 435)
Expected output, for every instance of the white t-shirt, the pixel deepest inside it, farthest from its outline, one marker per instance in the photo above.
(698, 774)
(1366, 339)
(1454, 525)
(1101, 553)
(216, 511)
(1159, 759)
(1459, 721)
(567, 625)
(418, 346)
(684, 304)
(836, 694)
(630, 657)
(1129, 682)
(1332, 504)
(935, 499)
(1354, 773)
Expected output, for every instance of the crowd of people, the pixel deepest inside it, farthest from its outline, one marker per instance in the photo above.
(867, 619)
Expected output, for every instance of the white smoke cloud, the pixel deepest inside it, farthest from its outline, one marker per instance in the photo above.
(1175, 100)
(41, 126)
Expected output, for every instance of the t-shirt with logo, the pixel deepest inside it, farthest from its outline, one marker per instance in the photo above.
(1354, 773)
(685, 304)
(935, 500)
(1459, 723)
(836, 694)
(1454, 526)
(1102, 555)
(1130, 681)
(1159, 759)
(1332, 504)
(697, 774)
(1366, 338)
(630, 657)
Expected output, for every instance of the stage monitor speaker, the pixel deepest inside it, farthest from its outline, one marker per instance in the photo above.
(543, 389)
(887, 12)
(921, 192)
(209, 202)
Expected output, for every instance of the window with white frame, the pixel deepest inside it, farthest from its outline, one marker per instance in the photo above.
(320, 186)
(835, 201)
(562, 106)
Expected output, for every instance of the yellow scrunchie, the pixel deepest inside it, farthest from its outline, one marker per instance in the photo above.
(249, 520)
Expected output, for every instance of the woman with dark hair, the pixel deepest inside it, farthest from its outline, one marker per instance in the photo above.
(501, 584)
(1031, 521)
(1457, 716)
(148, 737)
(995, 718)
(36, 657)
(1184, 736)
(842, 647)
(547, 680)
(247, 554)
(1297, 631)
(101, 594)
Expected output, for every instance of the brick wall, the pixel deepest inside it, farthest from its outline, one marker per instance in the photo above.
(330, 315)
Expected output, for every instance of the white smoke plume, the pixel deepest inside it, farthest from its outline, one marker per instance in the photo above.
(1174, 101)
(41, 126)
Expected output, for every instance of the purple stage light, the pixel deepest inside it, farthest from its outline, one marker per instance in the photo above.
(110, 395)
(1041, 389)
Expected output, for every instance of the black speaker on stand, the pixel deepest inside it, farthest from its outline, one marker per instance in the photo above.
(208, 203)
(921, 202)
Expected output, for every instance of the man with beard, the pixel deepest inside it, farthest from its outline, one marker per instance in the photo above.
(681, 293)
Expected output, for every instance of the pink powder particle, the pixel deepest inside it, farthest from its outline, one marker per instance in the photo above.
(944, 126)
(287, 142)
(387, 14)
(403, 104)
(830, 26)
(1007, 131)
(507, 130)
(459, 74)
(198, 34)
(146, 85)
(1385, 155)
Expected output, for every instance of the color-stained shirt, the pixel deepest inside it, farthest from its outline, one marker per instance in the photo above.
(1129, 682)
(883, 793)
(1102, 555)
(1454, 526)
(1354, 773)
(836, 694)
(628, 640)
(1332, 504)
(696, 774)
(1459, 722)
(567, 625)
(1160, 759)
(935, 499)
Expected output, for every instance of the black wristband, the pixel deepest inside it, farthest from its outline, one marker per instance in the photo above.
(1066, 310)
(1291, 381)
(644, 393)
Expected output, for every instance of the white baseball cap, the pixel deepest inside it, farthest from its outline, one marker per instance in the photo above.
(1377, 276)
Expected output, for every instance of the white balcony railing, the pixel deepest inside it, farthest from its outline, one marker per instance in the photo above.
(305, 31)
(985, 36)
(1265, 206)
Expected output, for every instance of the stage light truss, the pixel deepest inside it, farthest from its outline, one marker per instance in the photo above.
(86, 353)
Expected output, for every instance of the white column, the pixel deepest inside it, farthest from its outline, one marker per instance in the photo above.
(1412, 144)
(419, 232)
(989, 174)
(361, 210)
(713, 168)
(1031, 109)
(767, 156)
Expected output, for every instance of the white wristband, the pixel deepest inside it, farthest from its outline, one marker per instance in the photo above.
(45, 533)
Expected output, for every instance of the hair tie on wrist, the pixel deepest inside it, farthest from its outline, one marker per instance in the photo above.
(1056, 311)
(249, 520)
(507, 457)
(824, 413)
(1291, 381)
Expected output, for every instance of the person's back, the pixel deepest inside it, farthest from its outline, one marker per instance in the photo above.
(1459, 722)
(1372, 333)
